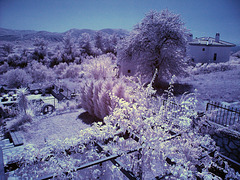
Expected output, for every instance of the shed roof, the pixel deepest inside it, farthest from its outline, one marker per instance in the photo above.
(210, 41)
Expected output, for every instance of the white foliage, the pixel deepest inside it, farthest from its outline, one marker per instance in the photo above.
(158, 41)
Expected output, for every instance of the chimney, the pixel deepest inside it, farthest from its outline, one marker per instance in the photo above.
(190, 38)
(217, 37)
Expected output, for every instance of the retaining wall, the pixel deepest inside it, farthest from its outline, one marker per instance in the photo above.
(227, 139)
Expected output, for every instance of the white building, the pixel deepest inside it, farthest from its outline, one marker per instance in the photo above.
(200, 50)
(208, 49)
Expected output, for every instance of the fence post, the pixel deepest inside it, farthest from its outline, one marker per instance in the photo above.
(207, 106)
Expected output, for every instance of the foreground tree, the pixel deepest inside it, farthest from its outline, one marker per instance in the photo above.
(158, 42)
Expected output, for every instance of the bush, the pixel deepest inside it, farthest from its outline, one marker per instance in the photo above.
(237, 54)
(72, 71)
(21, 120)
(63, 70)
(17, 78)
(60, 68)
(40, 72)
(4, 68)
(67, 105)
(17, 61)
(212, 67)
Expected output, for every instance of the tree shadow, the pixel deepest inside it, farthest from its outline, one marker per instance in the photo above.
(178, 89)
(88, 119)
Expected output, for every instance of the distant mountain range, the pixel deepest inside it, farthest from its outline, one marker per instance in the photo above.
(21, 35)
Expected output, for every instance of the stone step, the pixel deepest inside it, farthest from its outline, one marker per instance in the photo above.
(8, 146)
(4, 142)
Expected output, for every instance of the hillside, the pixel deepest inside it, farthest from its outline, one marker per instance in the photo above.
(23, 35)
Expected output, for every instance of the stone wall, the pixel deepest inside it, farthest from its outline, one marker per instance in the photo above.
(229, 145)
(227, 139)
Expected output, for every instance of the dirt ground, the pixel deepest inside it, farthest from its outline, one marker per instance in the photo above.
(220, 87)
(56, 127)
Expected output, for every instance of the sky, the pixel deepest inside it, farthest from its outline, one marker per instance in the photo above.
(201, 17)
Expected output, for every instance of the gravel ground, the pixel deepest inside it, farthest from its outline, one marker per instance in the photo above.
(56, 127)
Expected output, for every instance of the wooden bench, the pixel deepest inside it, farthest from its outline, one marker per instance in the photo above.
(16, 138)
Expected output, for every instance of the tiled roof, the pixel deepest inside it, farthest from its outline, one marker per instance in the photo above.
(209, 41)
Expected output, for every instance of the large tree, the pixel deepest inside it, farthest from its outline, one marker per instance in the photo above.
(158, 42)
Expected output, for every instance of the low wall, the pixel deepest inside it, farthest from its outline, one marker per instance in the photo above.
(229, 145)
(227, 139)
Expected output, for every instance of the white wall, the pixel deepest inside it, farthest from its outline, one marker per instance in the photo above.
(207, 56)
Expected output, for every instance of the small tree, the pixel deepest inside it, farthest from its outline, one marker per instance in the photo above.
(158, 42)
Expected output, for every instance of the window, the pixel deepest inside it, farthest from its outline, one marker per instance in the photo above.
(203, 49)
(129, 71)
(215, 56)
